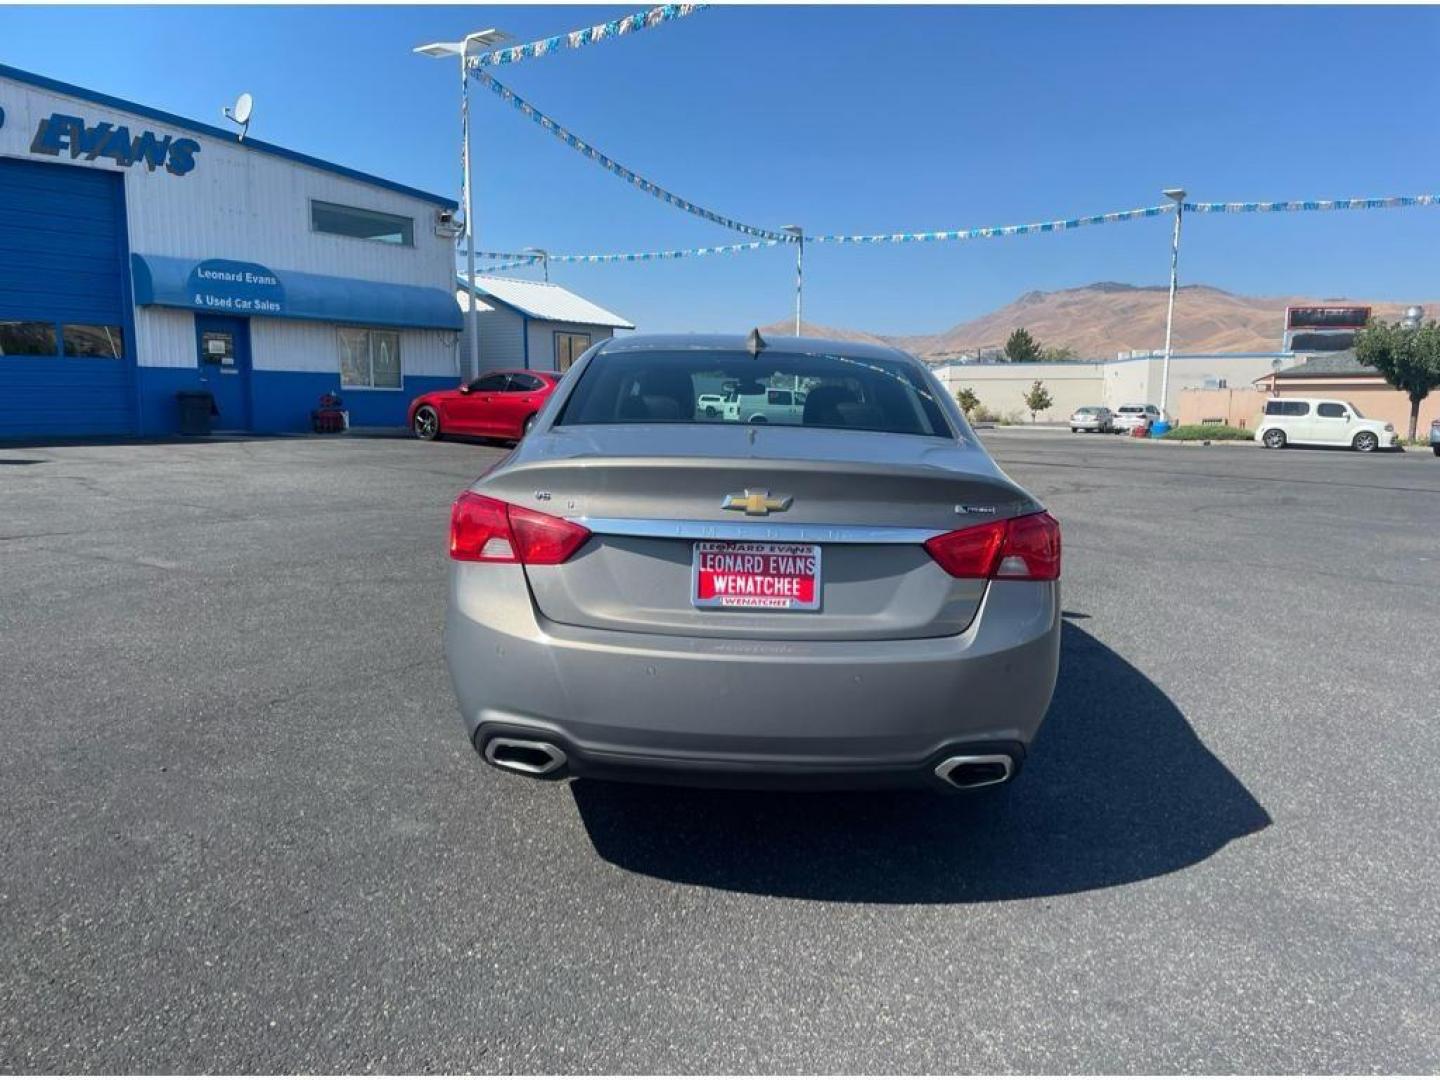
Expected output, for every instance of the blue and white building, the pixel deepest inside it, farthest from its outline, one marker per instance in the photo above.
(142, 253)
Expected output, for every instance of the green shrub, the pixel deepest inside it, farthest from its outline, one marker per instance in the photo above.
(1213, 432)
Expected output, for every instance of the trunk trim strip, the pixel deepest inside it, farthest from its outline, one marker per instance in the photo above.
(755, 530)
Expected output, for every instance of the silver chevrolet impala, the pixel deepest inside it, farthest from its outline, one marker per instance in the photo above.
(847, 594)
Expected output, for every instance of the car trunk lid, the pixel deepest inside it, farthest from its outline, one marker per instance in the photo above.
(860, 501)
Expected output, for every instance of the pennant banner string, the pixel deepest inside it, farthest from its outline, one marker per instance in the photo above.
(581, 146)
(511, 259)
(1386, 202)
(578, 39)
(992, 230)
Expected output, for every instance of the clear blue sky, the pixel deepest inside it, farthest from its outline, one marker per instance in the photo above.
(848, 120)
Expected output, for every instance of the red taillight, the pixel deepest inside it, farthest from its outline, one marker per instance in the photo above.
(968, 553)
(1024, 548)
(488, 530)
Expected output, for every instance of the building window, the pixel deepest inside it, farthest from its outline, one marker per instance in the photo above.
(107, 342)
(369, 359)
(27, 339)
(568, 348)
(362, 224)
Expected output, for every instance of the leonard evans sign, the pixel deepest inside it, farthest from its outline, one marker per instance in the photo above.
(58, 133)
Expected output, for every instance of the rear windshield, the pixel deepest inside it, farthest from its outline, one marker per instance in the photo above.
(823, 390)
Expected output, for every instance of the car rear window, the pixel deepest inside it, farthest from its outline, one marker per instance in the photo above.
(820, 390)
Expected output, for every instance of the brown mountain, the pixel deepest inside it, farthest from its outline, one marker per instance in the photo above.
(1097, 321)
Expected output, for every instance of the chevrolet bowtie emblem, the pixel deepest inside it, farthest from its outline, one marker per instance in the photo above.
(756, 503)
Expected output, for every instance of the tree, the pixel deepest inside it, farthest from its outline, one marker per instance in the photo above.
(1054, 353)
(1408, 357)
(1037, 399)
(967, 399)
(1020, 347)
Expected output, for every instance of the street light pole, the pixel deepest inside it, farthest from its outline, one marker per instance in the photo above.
(1178, 195)
(485, 39)
(798, 235)
(469, 198)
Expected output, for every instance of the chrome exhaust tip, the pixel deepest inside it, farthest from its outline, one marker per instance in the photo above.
(976, 770)
(526, 756)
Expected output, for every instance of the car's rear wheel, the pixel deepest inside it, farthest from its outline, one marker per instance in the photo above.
(1275, 439)
(711, 411)
(1365, 442)
(426, 424)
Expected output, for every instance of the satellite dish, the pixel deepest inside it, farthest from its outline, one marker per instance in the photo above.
(240, 113)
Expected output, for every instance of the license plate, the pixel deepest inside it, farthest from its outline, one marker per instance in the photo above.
(742, 574)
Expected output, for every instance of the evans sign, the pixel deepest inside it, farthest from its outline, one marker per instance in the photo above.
(243, 288)
(59, 132)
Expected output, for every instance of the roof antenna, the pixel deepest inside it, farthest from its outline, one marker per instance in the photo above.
(754, 343)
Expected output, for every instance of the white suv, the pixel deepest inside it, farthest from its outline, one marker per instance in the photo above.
(1321, 422)
(1129, 417)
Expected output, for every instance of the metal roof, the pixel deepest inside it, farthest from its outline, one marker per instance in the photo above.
(210, 131)
(544, 300)
(1342, 362)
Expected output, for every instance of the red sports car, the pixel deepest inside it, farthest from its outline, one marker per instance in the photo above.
(498, 405)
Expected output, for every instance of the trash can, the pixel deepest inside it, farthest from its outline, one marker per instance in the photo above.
(196, 409)
(1159, 428)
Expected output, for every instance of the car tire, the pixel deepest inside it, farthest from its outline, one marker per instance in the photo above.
(711, 412)
(1274, 439)
(1074, 431)
(1365, 442)
(426, 423)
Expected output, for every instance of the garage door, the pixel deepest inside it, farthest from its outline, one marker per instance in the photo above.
(66, 354)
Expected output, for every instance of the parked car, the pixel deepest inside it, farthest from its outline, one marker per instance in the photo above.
(499, 404)
(623, 583)
(1435, 436)
(766, 405)
(1092, 418)
(711, 405)
(1321, 422)
(1129, 417)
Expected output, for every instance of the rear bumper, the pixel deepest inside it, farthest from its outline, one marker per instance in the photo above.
(745, 713)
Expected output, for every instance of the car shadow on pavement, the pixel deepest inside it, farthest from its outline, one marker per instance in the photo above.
(1118, 788)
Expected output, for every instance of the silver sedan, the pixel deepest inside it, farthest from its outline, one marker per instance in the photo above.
(1092, 418)
(853, 597)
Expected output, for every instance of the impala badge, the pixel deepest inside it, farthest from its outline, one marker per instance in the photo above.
(756, 503)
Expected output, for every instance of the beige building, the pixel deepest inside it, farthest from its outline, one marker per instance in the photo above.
(1001, 387)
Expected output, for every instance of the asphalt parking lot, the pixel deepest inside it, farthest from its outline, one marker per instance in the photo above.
(244, 831)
